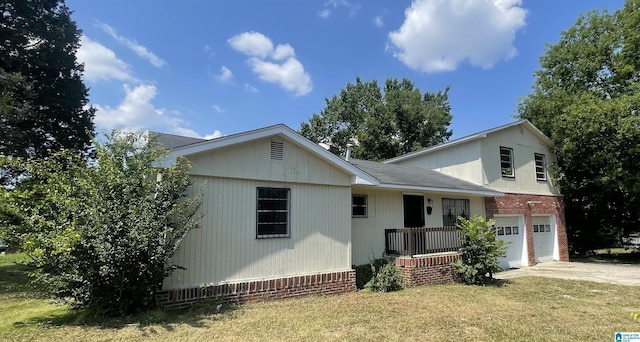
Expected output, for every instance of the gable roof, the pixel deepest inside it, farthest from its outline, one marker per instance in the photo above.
(172, 141)
(483, 134)
(393, 176)
(275, 130)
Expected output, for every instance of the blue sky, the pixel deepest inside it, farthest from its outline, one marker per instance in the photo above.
(211, 68)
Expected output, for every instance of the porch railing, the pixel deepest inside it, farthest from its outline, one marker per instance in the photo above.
(422, 240)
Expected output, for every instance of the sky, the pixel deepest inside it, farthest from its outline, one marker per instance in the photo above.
(212, 68)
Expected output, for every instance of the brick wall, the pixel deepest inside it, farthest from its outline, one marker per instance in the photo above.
(427, 269)
(326, 283)
(528, 205)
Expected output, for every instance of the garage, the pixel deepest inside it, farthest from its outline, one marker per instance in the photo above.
(511, 229)
(544, 233)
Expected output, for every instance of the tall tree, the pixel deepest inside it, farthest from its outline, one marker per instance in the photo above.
(586, 98)
(42, 96)
(381, 123)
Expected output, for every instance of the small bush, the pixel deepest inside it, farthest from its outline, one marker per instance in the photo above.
(365, 272)
(387, 280)
(481, 251)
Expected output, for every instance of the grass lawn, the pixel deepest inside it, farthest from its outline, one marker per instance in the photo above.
(525, 309)
(613, 255)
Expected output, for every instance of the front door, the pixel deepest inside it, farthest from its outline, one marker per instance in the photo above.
(413, 210)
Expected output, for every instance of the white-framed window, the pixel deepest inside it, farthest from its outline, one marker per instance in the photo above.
(359, 206)
(541, 228)
(541, 166)
(453, 208)
(506, 162)
(272, 215)
(507, 230)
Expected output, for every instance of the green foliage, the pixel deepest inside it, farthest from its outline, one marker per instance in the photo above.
(388, 279)
(100, 232)
(481, 251)
(381, 123)
(586, 98)
(365, 272)
(42, 96)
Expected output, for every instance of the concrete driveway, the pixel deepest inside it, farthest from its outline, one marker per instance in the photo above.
(602, 273)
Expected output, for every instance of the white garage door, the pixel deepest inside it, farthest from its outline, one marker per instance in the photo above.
(544, 237)
(510, 229)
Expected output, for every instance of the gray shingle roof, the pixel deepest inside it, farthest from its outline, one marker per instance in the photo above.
(172, 141)
(412, 176)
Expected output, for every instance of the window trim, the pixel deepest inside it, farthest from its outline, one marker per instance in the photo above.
(258, 211)
(511, 162)
(543, 167)
(365, 206)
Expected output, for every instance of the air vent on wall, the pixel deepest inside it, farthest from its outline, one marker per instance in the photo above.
(277, 150)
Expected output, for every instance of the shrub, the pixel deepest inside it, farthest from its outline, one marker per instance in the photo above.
(365, 272)
(386, 280)
(481, 251)
(101, 232)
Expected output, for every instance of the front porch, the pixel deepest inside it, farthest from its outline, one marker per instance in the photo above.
(421, 240)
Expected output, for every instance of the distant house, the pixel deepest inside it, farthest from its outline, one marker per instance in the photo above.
(513, 159)
(284, 217)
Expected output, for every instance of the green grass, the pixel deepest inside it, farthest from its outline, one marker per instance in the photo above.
(524, 309)
(613, 255)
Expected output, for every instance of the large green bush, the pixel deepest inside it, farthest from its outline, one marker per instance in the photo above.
(101, 232)
(481, 251)
(365, 272)
(386, 280)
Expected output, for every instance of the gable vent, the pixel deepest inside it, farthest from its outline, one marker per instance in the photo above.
(277, 150)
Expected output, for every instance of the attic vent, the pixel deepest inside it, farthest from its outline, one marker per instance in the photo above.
(277, 150)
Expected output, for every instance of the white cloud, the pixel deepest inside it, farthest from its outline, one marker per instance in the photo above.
(215, 134)
(225, 74)
(140, 50)
(289, 73)
(378, 21)
(137, 112)
(208, 50)
(252, 43)
(325, 13)
(101, 63)
(438, 35)
(218, 109)
(249, 88)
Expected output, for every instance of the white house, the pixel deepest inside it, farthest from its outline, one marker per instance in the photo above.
(513, 159)
(284, 217)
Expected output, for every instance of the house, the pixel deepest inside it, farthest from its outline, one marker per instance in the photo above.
(513, 159)
(284, 217)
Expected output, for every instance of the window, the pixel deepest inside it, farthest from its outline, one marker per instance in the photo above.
(541, 228)
(507, 230)
(359, 206)
(273, 213)
(541, 172)
(452, 209)
(506, 162)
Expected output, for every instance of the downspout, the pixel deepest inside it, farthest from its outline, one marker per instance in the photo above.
(347, 157)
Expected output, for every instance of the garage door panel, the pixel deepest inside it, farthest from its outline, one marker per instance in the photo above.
(543, 237)
(509, 229)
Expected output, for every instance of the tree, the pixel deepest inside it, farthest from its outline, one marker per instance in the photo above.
(42, 97)
(481, 251)
(586, 98)
(101, 234)
(381, 124)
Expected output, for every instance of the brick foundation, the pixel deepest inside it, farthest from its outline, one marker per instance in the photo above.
(326, 283)
(528, 205)
(427, 269)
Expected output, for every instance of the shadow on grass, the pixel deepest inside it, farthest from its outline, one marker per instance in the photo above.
(612, 258)
(14, 278)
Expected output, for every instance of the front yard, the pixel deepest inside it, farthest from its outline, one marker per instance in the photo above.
(531, 309)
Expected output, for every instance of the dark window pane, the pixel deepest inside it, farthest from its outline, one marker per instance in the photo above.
(359, 211)
(272, 204)
(507, 230)
(272, 229)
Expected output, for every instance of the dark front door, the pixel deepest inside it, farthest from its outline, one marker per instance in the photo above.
(413, 210)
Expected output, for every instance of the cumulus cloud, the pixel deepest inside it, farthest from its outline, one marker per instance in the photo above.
(285, 70)
(101, 63)
(225, 74)
(137, 112)
(438, 35)
(325, 13)
(249, 88)
(332, 5)
(378, 21)
(139, 50)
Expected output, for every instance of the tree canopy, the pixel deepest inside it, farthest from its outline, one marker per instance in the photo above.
(101, 234)
(42, 96)
(586, 98)
(381, 123)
